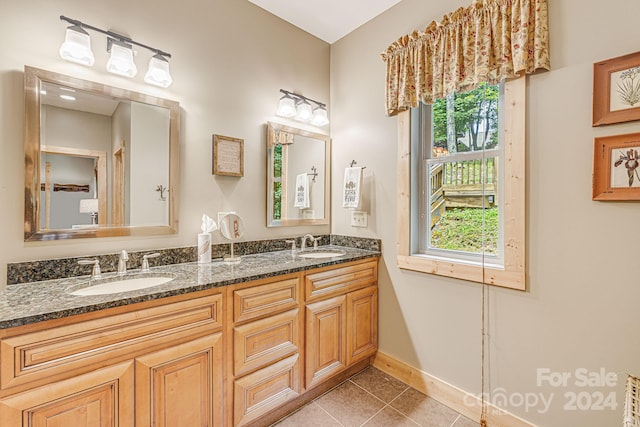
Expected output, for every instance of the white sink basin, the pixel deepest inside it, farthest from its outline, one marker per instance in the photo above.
(321, 254)
(123, 285)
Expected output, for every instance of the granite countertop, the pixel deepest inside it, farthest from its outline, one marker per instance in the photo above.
(27, 303)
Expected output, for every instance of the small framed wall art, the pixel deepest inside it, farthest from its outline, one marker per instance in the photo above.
(616, 90)
(616, 171)
(228, 156)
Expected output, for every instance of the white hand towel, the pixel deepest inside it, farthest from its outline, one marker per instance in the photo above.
(351, 193)
(302, 192)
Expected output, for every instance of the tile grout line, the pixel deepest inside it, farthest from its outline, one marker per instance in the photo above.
(376, 397)
(385, 404)
(397, 397)
(327, 412)
(456, 420)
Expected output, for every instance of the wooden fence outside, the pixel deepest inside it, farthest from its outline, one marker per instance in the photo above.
(460, 184)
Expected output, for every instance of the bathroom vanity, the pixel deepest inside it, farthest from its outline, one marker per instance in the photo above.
(217, 346)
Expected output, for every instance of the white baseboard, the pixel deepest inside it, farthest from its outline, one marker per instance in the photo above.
(465, 403)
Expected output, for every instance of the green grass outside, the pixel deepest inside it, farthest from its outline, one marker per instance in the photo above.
(461, 229)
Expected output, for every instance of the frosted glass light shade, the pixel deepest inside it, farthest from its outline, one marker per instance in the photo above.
(77, 46)
(121, 60)
(320, 117)
(88, 205)
(158, 72)
(303, 111)
(286, 107)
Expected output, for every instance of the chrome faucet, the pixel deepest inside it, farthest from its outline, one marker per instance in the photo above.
(145, 261)
(122, 263)
(95, 272)
(303, 245)
(293, 245)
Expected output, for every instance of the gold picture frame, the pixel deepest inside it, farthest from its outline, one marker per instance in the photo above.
(616, 168)
(616, 90)
(228, 156)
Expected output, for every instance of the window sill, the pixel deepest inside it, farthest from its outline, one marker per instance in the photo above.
(471, 271)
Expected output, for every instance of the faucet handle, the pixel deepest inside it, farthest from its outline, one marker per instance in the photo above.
(145, 261)
(124, 255)
(95, 272)
(292, 243)
(315, 242)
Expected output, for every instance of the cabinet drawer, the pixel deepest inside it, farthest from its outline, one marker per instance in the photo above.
(265, 390)
(257, 301)
(77, 347)
(259, 343)
(335, 281)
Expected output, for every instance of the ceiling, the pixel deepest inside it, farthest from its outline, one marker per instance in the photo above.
(330, 20)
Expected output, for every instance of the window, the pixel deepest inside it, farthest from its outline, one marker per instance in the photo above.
(459, 215)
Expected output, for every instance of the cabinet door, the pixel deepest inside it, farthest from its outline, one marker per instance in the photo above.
(325, 339)
(181, 386)
(362, 324)
(103, 398)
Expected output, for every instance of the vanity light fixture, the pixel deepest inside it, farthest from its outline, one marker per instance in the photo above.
(299, 107)
(303, 111)
(286, 106)
(158, 72)
(121, 60)
(320, 117)
(77, 48)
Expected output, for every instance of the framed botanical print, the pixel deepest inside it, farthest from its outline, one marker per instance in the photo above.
(616, 167)
(616, 90)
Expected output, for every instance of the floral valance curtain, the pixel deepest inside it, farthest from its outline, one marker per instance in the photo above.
(486, 42)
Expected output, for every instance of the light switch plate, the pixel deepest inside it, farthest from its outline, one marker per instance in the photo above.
(359, 219)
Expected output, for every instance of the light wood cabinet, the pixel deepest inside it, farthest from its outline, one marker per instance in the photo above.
(341, 324)
(266, 326)
(181, 386)
(232, 356)
(325, 339)
(362, 324)
(103, 398)
(265, 390)
(81, 371)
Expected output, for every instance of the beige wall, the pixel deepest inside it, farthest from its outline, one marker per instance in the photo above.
(581, 309)
(230, 58)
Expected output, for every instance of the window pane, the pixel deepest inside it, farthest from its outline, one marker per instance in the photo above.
(463, 206)
(466, 121)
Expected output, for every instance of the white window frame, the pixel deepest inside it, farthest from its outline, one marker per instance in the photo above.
(511, 271)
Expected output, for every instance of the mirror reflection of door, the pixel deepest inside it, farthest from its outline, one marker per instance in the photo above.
(118, 199)
(71, 179)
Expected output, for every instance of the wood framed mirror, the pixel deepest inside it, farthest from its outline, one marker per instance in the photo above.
(100, 161)
(297, 156)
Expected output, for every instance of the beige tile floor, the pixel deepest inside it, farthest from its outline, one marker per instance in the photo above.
(372, 398)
